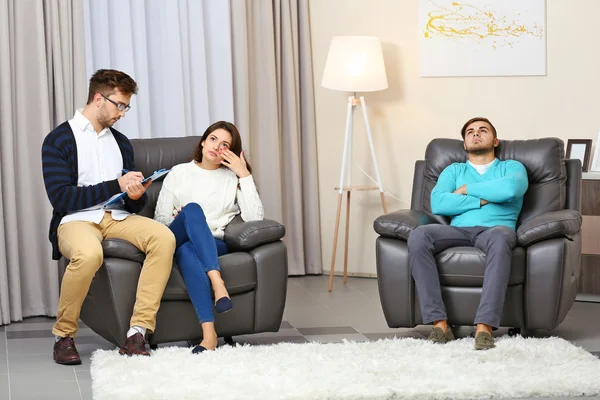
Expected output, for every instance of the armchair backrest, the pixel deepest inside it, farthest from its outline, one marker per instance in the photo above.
(553, 183)
(154, 154)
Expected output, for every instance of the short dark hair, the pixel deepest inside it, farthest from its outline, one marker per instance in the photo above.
(476, 119)
(105, 81)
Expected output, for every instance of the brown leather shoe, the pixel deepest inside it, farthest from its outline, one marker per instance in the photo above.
(65, 352)
(134, 346)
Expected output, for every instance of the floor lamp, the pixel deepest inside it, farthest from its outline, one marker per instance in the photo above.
(354, 64)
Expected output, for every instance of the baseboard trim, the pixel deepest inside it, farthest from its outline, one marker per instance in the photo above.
(354, 274)
(588, 298)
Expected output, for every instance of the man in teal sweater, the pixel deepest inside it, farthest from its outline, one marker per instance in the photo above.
(483, 197)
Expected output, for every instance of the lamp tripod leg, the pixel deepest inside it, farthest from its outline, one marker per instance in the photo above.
(347, 234)
(383, 203)
(335, 237)
(372, 148)
(347, 145)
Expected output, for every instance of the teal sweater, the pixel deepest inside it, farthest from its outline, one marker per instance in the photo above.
(503, 185)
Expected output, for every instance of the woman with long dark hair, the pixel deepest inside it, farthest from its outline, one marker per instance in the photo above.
(197, 201)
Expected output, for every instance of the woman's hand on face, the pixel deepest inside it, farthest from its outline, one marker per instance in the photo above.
(235, 163)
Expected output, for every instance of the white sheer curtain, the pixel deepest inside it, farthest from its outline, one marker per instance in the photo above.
(178, 51)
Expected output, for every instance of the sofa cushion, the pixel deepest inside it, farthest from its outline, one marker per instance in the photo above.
(119, 248)
(556, 224)
(245, 236)
(399, 224)
(464, 266)
(237, 269)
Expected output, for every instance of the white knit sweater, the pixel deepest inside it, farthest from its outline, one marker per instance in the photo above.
(216, 191)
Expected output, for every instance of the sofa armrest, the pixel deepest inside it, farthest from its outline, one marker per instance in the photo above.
(550, 225)
(244, 236)
(118, 248)
(399, 224)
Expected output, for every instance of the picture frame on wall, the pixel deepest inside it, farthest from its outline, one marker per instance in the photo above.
(595, 167)
(579, 149)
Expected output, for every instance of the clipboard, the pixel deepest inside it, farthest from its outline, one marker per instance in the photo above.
(117, 202)
(157, 174)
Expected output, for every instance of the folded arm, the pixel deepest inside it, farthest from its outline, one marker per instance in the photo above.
(445, 202)
(513, 185)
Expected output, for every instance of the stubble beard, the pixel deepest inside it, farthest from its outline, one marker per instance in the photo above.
(479, 151)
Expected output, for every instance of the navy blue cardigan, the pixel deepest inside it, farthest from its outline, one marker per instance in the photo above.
(59, 167)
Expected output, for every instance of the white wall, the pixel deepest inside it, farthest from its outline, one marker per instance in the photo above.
(414, 110)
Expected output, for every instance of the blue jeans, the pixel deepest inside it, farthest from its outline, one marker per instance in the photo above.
(197, 251)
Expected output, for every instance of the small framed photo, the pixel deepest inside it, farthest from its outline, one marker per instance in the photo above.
(596, 159)
(580, 149)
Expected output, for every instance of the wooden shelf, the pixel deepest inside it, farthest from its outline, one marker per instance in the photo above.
(589, 280)
(591, 176)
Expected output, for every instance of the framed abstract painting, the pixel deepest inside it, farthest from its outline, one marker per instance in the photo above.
(482, 38)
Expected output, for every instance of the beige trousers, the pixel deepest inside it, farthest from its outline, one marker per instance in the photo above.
(80, 242)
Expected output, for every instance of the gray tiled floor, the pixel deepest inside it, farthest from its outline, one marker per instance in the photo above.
(350, 312)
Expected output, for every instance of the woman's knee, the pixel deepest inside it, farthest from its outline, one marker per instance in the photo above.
(193, 209)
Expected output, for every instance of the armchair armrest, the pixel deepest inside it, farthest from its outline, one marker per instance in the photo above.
(118, 248)
(244, 236)
(550, 225)
(399, 224)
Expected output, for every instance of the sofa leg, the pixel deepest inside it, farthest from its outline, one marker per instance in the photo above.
(514, 332)
(229, 340)
(153, 346)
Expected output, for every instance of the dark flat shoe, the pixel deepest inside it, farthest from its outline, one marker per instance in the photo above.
(198, 349)
(224, 304)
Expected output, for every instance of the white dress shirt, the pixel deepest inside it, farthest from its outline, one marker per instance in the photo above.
(99, 159)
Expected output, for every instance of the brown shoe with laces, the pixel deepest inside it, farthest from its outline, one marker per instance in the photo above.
(134, 345)
(65, 352)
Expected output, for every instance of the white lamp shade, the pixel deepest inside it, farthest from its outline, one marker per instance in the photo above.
(355, 64)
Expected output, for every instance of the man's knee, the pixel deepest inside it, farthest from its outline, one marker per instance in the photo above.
(86, 260)
(417, 238)
(163, 236)
(501, 236)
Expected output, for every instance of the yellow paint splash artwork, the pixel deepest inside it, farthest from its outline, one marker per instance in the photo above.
(462, 21)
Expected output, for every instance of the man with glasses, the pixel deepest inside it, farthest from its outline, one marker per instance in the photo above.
(83, 161)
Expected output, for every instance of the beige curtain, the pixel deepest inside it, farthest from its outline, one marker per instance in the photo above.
(274, 109)
(42, 80)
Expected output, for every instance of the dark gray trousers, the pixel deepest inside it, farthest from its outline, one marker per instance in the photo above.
(496, 242)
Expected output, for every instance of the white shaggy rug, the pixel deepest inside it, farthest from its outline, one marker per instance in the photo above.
(386, 369)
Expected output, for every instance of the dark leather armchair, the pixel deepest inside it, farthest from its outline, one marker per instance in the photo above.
(545, 264)
(255, 271)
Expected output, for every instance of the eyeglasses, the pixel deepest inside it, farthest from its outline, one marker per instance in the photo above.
(120, 106)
